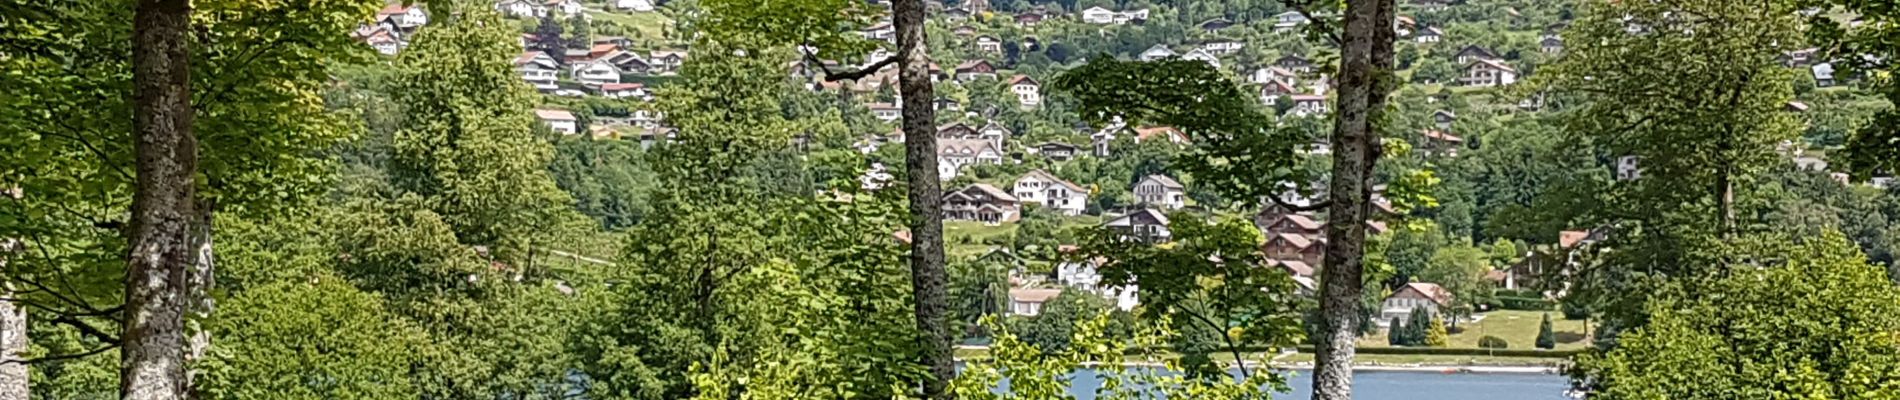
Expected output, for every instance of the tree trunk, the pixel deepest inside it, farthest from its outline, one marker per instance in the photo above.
(1364, 81)
(152, 352)
(927, 276)
(13, 376)
(200, 304)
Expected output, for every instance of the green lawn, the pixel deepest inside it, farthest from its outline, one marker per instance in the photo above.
(640, 26)
(954, 232)
(1422, 359)
(1519, 328)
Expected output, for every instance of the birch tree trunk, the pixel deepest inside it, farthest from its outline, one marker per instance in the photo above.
(152, 352)
(1364, 82)
(928, 278)
(13, 376)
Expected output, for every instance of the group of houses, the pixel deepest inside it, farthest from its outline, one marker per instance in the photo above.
(603, 69)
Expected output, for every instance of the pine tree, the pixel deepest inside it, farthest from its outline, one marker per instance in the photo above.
(1415, 326)
(547, 38)
(1435, 335)
(1395, 333)
(1546, 339)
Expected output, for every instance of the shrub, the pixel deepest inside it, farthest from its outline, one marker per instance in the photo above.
(1546, 339)
(1575, 310)
(1395, 333)
(1435, 335)
(1493, 342)
(1524, 303)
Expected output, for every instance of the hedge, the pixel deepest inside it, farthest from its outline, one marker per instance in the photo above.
(1443, 351)
(1525, 303)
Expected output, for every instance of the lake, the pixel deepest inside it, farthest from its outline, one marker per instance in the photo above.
(1379, 385)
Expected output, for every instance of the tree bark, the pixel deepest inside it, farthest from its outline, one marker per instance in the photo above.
(152, 356)
(1365, 80)
(13, 376)
(928, 279)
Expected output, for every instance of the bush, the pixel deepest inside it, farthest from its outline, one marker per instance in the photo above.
(1493, 342)
(1524, 303)
(1546, 338)
(1573, 310)
(1435, 335)
(1395, 333)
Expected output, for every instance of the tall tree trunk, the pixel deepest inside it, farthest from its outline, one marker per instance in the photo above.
(13, 376)
(1364, 81)
(152, 353)
(927, 276)
(198, 284)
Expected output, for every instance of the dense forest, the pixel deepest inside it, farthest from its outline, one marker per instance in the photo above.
(360, 199)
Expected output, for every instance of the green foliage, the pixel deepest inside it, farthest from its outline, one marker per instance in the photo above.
(1435, 335)
(1546, 339)
(1493, 342)
(1051, 330)
(1874, 148)
(317, 340)
(608, 179)
(1036, 375)
(1461, 270)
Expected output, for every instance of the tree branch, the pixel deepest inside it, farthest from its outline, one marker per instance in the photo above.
(87, 329)
(833, 76)
(88, 353)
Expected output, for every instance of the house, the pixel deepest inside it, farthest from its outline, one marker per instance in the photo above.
(1488, 73)
(886, 112)
(994, 132)
(1271, 91)
(1098, 15)
(954, 154)
(571, 56)
(667, 61)
(1028, 302)
(964, 31)
(880, 31)
(566, 7)
(1290, 223)
(538, 69)
(1216, 24)
(1474, 53)
(1289, 246)
(1288, 21)
(1430, 34)
(1085, 275)
(1136, 16)
(1551, 45)
(956, 14)
(1823, 74)
(1309, 104)
(1295, 63)
(1161, 191)
(1166, 133)
(522, 8)
(404, 17)
(972, 69)
(626, 62)
(1203, 56)
(1056, 151)
(1444, 118)
(595, 73)
(1029, 19)
(1145, 225)
(385, 41)
(1159, 51)
(654, 135)
(988, 44)
(1441, 142)
(558, 120)
(946, 104)
(1413, 295)
(1274, 73)
(1627, 168)
(634, 5)
(624, 90)
(981, 202)
(1800, 58)
(1223, 46)
(1041, 187)
(598, 49)
(1028, 91)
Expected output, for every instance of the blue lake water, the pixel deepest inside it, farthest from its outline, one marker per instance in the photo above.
(1368, 385)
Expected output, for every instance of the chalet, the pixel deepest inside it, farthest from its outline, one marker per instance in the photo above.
(988, 44)
(1275, 73)
(1488, 73)
(956, 130)
(385, 41)
(1223, 46)
(1028, 91)
(1028, 302)
(1413, 295)
(981, 202)
(1161, 191)
(1085, 275)
(1271, 91)
(1293, 246)
(1444, 118)
(972, 69)
(958, 14)
(1098, 15)
(404, 17)
(667, 61)
(634, 5)
(1041, 187)
(598, 50)
(522, 8)
(1296, 268)
(1295, 63)
(624, 90)
(880, 31)
(1474, 53)
(886, 112)
(994, 132)
(1029, 19)
(1288, 21)
(964, 31)
(1309, 104)
(626, 62)
(595, 73)
(1429, 34)
(538, 69)
(566, 7)
(1551, 45)
(1146, 225)
(1442, 143)
(1203, 56)
(1158, 52)
(558, 120)
(1056, 151)
(954, 154)
(1215, 25)
(1291, 223)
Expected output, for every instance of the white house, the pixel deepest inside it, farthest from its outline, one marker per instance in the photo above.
(1309, 104)
(1488, 73)
(881, 31)
(566, 7)
(1223, 46)
(1288, 21)
(1162, 191)
(405, 17)
(634, 5)
(557, 120)
(385, 41)
(596, 72)
(1413, 295)
(1098, 15)
(522, 8)
(538, 69)
(988, 44)
(1145, 225)
(1131, 16)
(1028, 91)
(1157, 52)
(1628, 168)
(1084, 275)
(663, 61)
(624, 90)
(1473, 53)
(1430, 34)
(954, 154)
(1028, 302)
(1270, 74)
(1040, 187)
(886, 112)
(1203, 56)
(1270, 92)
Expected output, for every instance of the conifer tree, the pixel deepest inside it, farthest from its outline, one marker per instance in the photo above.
(1546, 339)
